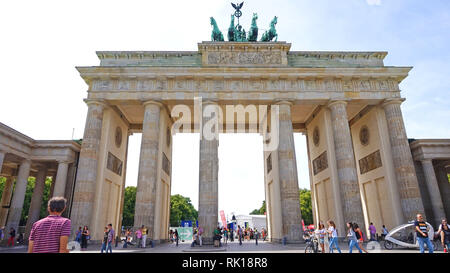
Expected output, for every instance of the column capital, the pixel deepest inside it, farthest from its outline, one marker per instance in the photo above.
(26, 161)
(427, 160)
(386, 102)
(334, 102)
(152, 102)
(96, 101)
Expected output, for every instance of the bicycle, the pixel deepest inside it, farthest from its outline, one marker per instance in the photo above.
(312, 244)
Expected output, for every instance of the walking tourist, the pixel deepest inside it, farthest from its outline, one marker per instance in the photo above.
(360, 236)
(194, 238)
(239, 233)
(332, 232)
(111, 234)
(384, 232)
(84, 237)
(51, 234)
(372, 231)
(225, 235)
(422, 230)
(256, 234)
(139, 237)
(445, 235)
(321, 232)
(12, 237)
(144, 236)
(353, 241)
(105, 239)
(78, 235)
(200, 235)
(218, 235)
(176, 236)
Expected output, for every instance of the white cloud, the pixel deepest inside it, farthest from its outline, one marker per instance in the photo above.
(373, 2)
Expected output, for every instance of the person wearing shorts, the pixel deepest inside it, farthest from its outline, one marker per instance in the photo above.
(321, 232)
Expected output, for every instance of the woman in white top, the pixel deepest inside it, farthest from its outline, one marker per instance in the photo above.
(334, 238)
(320, 233)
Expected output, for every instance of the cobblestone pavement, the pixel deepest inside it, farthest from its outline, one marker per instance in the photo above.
(231, 247)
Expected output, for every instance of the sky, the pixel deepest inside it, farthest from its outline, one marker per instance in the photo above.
(41, 92)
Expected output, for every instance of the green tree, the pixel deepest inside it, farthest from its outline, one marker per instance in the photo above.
(128, 206)
(261, 210)
(306, 206)
(28, 195)
(181, 209)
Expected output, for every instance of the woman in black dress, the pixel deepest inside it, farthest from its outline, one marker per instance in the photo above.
(84, 238)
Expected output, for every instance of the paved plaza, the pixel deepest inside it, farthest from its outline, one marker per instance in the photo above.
(231, 247)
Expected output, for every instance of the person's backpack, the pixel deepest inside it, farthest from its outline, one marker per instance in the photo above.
(358, 236)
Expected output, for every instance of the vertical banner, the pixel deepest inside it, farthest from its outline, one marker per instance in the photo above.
(222, 216)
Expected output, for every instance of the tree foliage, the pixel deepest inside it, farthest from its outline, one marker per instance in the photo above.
(181, 209)
(305, 207)
(128, 206)
(261, 210)
(28, 195)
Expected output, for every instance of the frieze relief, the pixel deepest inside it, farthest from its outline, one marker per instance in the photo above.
(370, 162)
(320, 163)
(319, 85)
(244, 58)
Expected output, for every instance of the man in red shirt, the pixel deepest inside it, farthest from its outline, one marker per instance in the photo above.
(51, 234)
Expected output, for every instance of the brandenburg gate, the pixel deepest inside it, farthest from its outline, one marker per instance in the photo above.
(346, 103)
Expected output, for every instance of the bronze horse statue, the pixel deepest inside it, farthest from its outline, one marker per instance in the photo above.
(271, 33)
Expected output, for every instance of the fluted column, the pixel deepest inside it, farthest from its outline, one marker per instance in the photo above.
(6, 199)
(15, 211)
(36, 201)
(208, 198)
(83, 199)
(2, 157)
(148, 168)
(346, 165)
(444, 187)
(405, 173)
(433, 189)
(61, 179)
(287, 168)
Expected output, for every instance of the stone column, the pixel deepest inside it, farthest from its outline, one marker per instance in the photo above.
(61, 179)
(346, 166)
(6, 200)
(287, 168)
(403, 163)
(15, 211)
(36, 201)
(208, 198)
(444, 187)
(83, 199)
(2, 157)
(148, 169)
(433, 189)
